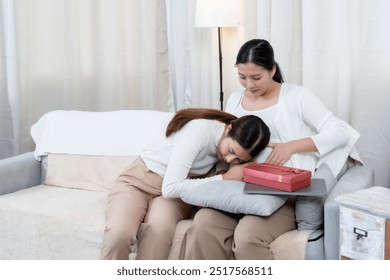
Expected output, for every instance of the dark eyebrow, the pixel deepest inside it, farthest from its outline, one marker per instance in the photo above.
(251, 76)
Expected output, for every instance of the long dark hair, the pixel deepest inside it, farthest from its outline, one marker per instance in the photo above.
(249, 131)
(260, 52)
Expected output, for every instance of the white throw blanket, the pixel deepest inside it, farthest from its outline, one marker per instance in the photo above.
(97, 133)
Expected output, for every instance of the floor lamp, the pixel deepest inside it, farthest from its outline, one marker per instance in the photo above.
(219, 13)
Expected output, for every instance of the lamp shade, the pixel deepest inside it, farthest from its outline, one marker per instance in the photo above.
(218, 13)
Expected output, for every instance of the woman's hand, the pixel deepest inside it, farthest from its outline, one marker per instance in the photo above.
(281, 153)
(236, 172)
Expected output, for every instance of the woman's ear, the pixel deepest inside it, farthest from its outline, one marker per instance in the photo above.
(228, 127)
(273, 71)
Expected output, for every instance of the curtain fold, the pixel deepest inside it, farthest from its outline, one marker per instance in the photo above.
(78, 55)
(346, 63)
(10, 123)
(371, 96)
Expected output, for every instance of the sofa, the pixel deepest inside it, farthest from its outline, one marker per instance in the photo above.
(53, 199)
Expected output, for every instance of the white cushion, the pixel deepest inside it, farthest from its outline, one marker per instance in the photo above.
(228, 196)
(291, 245)
(51, 223)
(92, 173)
(45, 222)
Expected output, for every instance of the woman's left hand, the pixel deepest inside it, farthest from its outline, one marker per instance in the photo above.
(236, 172)
(281, 153)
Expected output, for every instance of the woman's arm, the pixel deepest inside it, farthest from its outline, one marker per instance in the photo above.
(332, 132)
(188, 143)
(310, 116)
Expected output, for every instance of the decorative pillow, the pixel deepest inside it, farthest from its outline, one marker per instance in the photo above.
(228, 196)
(92, 173)
(309, 210)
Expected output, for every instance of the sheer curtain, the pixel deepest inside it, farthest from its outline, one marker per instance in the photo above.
(78, 55)
(346, 62)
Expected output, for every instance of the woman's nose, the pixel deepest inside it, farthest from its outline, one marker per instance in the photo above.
(230, 158)
(249, 83)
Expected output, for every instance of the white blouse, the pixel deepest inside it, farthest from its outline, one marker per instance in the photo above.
(192, 151)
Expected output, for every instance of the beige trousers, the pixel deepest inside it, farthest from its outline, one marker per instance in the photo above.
(217, 235)
(136, 211)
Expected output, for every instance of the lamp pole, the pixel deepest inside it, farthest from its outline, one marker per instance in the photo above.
(220, 67)
(219, 13)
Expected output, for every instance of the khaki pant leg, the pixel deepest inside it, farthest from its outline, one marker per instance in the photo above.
(254, 234)
(156, 233)
(210, 237)
(126, 209)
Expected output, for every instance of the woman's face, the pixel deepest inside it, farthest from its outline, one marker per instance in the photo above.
(255, 79)
(230, 151)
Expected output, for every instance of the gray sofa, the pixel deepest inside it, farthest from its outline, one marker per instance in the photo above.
(42, 221)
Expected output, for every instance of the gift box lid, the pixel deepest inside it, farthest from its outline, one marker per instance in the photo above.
(285, 174)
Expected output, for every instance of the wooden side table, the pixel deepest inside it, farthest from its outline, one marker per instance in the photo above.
(365, 224)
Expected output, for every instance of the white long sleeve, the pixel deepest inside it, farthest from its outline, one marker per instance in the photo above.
(192, 151)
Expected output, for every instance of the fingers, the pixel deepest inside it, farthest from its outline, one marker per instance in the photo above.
(271, 145)
(273, 158)
(278, 155)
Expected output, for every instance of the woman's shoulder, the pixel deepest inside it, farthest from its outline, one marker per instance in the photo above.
(293, 95)
(201, 131)
(293, 91)
(236, 95)
(202, 125)
(234, 99)
(286, 87)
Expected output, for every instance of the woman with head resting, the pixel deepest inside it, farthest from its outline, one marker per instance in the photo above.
(304, 134)
(195, 140)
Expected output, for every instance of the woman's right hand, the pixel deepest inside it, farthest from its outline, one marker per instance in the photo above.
(236, 172)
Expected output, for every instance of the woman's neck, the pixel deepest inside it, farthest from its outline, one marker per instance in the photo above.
(260, 101)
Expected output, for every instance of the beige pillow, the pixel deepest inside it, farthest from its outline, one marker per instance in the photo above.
(92, 173)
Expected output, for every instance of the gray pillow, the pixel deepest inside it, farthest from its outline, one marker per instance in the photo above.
(309, 211)
(228, 196)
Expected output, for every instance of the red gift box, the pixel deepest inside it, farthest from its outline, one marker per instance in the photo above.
(278, 177)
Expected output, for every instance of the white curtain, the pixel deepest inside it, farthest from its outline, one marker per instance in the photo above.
(95, 55)
(118, 54)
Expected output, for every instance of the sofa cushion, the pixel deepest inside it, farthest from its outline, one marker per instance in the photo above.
(92, 173)
(51, 223)
(291, 245)
(228, 196)
(45, 222)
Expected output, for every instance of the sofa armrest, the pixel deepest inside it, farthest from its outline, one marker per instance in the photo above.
(19, 172)
(356, 178)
